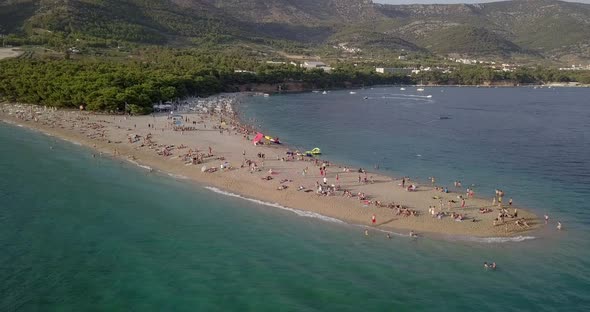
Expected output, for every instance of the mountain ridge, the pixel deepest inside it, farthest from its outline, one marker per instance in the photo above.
(537, 28)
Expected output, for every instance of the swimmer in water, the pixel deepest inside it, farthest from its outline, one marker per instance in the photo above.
(388, 236)
(366, 232)
(485, 265)
(559, 225)
(412, 234)
(493, 266)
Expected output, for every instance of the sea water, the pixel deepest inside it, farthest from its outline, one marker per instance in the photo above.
(79, 233)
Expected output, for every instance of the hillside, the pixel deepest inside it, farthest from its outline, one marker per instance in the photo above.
(535, 28)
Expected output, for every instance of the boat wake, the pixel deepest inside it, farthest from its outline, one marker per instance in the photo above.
(398, 95)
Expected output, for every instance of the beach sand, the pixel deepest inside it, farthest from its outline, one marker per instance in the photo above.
(113, 135)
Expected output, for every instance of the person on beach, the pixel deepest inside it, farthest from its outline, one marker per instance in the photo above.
(510, 202)
(373, 219)
(546, 219)
(462, 202)
(337, 177)
(403, 182)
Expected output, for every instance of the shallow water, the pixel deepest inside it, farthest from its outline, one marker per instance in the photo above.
(83, 233)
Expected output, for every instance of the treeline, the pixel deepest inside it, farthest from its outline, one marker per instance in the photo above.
(158, 74)
(135, 86)
(478, 75)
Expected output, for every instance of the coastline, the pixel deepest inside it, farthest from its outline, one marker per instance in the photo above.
(83, 128)
(299, 87)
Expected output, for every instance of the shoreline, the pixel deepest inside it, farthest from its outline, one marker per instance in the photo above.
(300, 88)
(249, 185)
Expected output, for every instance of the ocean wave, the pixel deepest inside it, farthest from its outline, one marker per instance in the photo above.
(178, 176)
(497, 239)
(309, 214)
(302, 213)
(139, 165)
(298, 212)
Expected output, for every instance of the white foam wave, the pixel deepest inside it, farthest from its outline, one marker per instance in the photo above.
(178, 176)
(498, 239)
(139, 165)
(300, 213)
(310, 214)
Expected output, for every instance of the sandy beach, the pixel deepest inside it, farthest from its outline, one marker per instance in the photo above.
(213, 148)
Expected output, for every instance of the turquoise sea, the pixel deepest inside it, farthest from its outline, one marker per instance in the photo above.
(79, 233)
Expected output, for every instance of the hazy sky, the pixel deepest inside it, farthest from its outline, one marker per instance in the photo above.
(449, 1)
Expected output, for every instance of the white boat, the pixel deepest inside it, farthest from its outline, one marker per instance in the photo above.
(266, 95)
(429, 96)
(402, 89)
(324, 92)
(352, 92)
(420, 89)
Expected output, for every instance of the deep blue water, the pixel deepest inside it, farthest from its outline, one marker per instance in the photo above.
(95, 234)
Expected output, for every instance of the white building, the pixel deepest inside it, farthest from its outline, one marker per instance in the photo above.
(393, 70)
(241, 71)
(316, 65)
